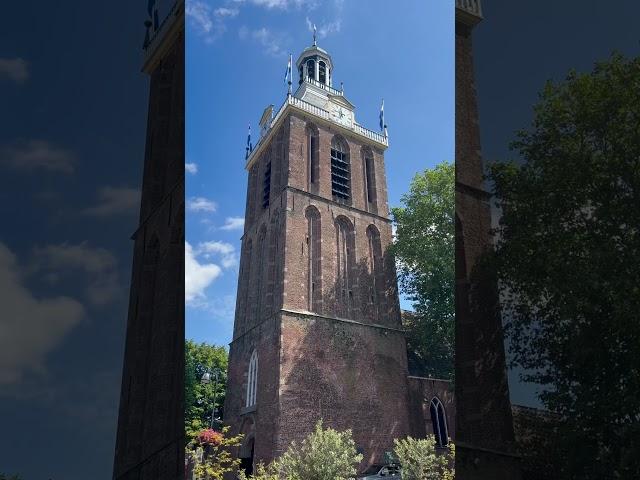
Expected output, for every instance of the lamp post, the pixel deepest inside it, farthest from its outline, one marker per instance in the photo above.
(206, 379)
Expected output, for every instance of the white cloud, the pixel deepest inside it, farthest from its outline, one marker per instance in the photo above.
(325, 29)
(198, 276)
(270, 41)
(201, 204)
(14, 68)
(191, 168)
(114, 201)
(99, 266)
(209, 23)
(233, 223)
(31, 327)
(37, 154)
(227, 252)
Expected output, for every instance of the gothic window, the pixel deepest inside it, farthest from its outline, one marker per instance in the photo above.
(312, 158)
(266, 186)
(340, 171)
(369, 178)
(252, 379)
(322, 72)
(259, 280)
(311, 69)
(439, 422)
(345, 250)
(314, 267)
(376, 285)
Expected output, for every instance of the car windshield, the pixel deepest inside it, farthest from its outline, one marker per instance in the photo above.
(373, 469)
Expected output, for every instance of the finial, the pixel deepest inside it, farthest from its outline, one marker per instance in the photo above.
(342, 87)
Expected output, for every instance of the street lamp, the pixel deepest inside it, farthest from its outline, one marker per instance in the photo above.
(206, 379)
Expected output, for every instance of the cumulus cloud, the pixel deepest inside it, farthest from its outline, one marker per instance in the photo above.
(233, 223)
(191, 168)
(226, 251)
(325, 29)
(201, 204)
(97, 265)
(32, 155)
(115, 201)
(197, 276)
(31, 327)
(208, 23)
(271, 42)
(15, 69)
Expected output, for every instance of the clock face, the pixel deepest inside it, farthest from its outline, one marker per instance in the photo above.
(341, 115)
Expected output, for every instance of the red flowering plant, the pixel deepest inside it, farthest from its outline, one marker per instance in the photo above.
(208, 453)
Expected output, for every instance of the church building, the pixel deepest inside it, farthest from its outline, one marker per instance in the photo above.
(318, 332)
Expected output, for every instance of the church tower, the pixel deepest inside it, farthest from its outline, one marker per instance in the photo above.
(485, 446)
(317, 331)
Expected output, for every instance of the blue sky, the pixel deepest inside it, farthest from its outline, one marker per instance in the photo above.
(237, 51)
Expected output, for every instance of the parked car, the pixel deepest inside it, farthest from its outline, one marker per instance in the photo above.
(380, 471)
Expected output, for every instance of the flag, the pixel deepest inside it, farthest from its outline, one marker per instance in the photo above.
(382, 125)
(287, 75)
(314, 33)
(249, 138)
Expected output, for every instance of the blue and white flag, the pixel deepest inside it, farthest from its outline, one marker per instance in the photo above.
(382, 125)
(249, 146)
(287, 75)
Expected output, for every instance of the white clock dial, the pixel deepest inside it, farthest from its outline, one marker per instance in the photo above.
(341, 115)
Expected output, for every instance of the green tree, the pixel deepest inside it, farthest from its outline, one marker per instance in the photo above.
(209, 453)
(424, 251)
(201, 358)
(325, 454)
(420, 460)
(567, 255)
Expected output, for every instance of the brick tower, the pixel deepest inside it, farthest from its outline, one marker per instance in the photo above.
(317, 331)
(150, 438)
(484, 427)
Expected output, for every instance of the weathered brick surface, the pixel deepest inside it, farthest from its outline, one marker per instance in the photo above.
(484, 428)
(150, 436)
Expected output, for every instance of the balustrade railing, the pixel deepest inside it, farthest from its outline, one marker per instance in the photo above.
(472, 6)
(318, 112)
(329, 89)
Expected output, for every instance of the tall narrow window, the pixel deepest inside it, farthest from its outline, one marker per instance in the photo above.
(266, 186)
(312, 158)
(322, 72)
(345, 250)
(251, 193)
(340, 171)
(376, 274)
(259, 280)
(274, 255)
(314, 267)
(369, 179)
(439, 422)
(252, 379)
(311, 69)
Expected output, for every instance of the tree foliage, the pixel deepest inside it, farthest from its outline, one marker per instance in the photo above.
(421, 461)
(567, 256)
(201, 358)
(424, 250)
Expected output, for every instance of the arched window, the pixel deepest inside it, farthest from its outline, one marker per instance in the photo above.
(369, 179)
(274, 255)
(340, 171)
(259, 280)
(376, 272)
(252, 379)
(313, 166)
(301, 79)
(314, 268)
(345, 253)
(439, 422)
(322, 72)
(311, 69)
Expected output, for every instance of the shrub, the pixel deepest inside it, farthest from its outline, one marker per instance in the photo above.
(209, 452)
(420, 460)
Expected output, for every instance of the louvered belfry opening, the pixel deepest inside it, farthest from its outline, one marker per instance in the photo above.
(340, 171)
(266, 187)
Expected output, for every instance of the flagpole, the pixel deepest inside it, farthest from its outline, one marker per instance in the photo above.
(290, 70)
